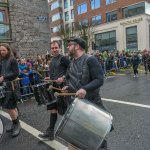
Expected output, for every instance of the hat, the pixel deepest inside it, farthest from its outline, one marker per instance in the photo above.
(79, 41)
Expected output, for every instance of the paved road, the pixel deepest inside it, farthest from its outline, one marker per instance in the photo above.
(127, 98)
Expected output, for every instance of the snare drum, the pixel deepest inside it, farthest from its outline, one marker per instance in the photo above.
(41, 93)
(84, 125)
(2, 92)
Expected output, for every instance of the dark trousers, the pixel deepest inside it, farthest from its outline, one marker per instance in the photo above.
(145, 67)
(135, 69)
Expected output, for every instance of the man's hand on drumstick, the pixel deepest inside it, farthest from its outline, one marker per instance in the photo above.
(65, 89)
(60, 80)
(81, 93)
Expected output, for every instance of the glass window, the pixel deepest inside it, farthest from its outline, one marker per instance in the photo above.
(71, 2)
(65, 3)
(55, 29)
(95, 4)
(54, 5)
(83, 23)
(56, 17)
(66, 16)
(82, 8)
(147, 8)
(2, 16)
(111, 16)
(134, 10)
(131, 38)
(5, 31)
(96, 20)
(72, 14)
(106, 41)
(110, 1)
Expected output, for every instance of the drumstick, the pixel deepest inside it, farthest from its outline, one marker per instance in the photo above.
(50, 80)
(12, 85)
(52, 87)
(17, 79)
(64, 94)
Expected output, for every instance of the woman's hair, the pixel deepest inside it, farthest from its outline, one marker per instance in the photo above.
(10, 53)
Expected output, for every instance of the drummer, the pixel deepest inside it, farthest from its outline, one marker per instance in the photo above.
(9, 71)
(58, 67)
(85, 76)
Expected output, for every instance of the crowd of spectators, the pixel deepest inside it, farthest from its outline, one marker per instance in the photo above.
(34, 69)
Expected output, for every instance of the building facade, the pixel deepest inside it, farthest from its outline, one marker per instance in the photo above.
(24, 25)
(115, 24)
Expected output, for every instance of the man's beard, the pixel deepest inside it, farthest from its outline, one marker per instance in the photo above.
(4, 55)
(71, 53)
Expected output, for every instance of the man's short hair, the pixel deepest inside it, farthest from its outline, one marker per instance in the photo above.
(79, 41)
(56, 41)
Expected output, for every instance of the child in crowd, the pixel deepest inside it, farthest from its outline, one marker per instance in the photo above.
(25, 82)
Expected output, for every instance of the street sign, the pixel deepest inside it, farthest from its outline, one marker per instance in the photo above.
(41, 18)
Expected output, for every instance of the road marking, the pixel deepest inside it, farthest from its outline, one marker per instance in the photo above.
(126, 103)
(121, 74)
(109, 77)
(54, 144)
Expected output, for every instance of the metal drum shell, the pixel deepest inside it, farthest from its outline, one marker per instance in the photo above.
(84, 125)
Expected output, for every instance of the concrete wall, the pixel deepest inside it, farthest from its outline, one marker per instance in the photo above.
(29, 35)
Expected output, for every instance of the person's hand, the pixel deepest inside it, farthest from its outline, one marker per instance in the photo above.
(65, 89)
(81, 93)
(47, 78)
(1, 79)
(60, 80)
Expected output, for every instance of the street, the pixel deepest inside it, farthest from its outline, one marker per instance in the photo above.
(125, 97)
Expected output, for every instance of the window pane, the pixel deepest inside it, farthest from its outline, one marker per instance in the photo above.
(55, 29)
(4, 31)
(82, 8)
(1, 16)
(65, 3)
(131, 38)
(147, 8)
(106, 41)
(96, 20)
(56, 17)
(111, 16)
(134, 10)
(72, 13)
(110, 1)
(66, 16)
(54, 5)
(71, 2)
(95, 4)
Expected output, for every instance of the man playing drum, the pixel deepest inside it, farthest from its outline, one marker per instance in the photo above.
(85, 75)
(57, 68)
(9, 71)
